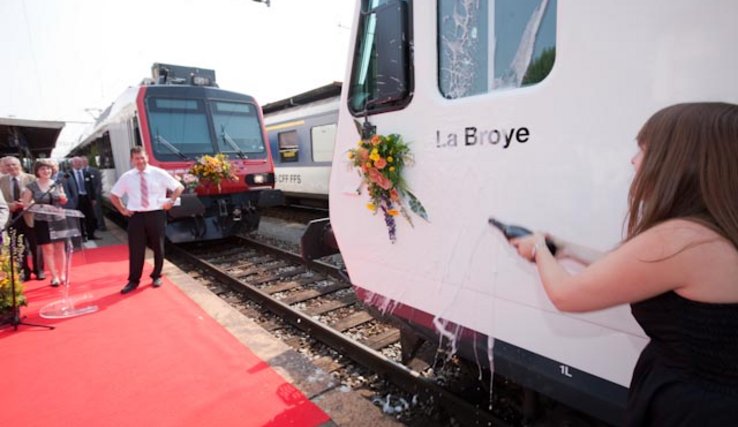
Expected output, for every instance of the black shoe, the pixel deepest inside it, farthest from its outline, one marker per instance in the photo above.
(40, 276)
(130, 286)
(24, 277)
(157, 282)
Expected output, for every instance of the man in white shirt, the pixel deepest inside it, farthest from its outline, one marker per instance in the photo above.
(146, 187)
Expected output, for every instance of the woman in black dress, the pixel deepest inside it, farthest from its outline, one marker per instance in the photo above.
(677, 268)
(53, 249)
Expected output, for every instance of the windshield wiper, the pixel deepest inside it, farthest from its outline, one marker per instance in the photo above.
(171, 147)
(228, 140)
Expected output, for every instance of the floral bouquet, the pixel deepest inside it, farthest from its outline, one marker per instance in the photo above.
(213, 169)
(6, 285)
(189, 181)
(380, 161)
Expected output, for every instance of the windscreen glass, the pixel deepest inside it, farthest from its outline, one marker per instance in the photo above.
(237, 129)
(179, 128)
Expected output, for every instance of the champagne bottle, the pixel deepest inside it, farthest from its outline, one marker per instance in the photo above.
(515, 231)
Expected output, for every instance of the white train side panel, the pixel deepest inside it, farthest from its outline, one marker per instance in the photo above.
(554, 156)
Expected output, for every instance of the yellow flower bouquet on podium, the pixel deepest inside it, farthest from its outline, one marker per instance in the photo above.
(6, 285)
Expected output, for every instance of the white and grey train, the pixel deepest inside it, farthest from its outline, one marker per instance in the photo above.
(527, 111)
(302, 131)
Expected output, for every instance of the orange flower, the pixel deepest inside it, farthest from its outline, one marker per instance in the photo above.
(376, 177)
(380, 163)
(393, 212)
(376, 140)
(394, 195)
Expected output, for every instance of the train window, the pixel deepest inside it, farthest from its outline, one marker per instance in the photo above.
(237, 129)
(136, 131)
(323, 138)
(289, 149)
(381, 71)
(105, 152)
(486, 46)
(179, 128)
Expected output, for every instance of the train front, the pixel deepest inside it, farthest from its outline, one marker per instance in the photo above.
(182, 123)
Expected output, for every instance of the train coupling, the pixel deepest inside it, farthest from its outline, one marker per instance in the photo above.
(318, 240)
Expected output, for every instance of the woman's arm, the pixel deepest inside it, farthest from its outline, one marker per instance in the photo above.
(26, 197)
(652, 263)
(62, 195)
(579, 253)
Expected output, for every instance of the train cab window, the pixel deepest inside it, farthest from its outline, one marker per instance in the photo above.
(487, 46)
(323, 138)
(289, 149)
(136, 132)
(238, 130)
(381, 78)
(179, 128)
(105, 152)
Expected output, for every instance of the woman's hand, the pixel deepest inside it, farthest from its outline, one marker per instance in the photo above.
(527, 246)
(63, 199)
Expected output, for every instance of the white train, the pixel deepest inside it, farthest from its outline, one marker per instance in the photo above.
(526, 111)
(302, 132)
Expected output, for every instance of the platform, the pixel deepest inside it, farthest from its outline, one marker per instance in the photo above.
(171, 356)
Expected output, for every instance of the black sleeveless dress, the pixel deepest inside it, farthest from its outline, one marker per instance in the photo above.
(688, 374)
(41, 228)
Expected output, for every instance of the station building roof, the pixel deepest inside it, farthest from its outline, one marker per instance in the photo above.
(28, 138)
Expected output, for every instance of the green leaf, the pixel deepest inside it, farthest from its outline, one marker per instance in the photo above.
(416, 206)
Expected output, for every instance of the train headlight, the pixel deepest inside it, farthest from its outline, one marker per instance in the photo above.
(260, 179)
(200, 81)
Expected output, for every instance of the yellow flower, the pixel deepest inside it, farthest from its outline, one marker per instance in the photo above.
(375, 155)
(371, 206)
(389, 159)
(351, 155)
(392, 168)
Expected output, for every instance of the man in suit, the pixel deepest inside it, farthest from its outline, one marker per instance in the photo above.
(96, 179)
(12, 185)
(85, 198)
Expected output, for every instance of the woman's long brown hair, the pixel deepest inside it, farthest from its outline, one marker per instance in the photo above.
(689, 169)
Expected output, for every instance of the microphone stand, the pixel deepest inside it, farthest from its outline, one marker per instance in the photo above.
(16, 319)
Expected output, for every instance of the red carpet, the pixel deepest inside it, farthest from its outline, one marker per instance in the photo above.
(149, 358)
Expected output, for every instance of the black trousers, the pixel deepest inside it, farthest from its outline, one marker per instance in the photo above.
(90, 221)
(30, 247)
(145, 229)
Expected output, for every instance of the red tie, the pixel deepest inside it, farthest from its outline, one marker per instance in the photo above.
(144, 192)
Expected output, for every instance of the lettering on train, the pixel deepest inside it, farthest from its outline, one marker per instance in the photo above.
(291, 178)
(475, 137)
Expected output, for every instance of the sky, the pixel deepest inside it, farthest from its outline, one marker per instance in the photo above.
(66, 60)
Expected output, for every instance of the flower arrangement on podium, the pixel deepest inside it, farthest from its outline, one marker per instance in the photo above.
(380, 161)
(6, 285)
(213, 169)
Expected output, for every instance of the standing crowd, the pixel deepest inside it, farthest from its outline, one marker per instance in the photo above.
(78, 188)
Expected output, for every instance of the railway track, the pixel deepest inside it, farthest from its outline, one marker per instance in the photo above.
(315, 297)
